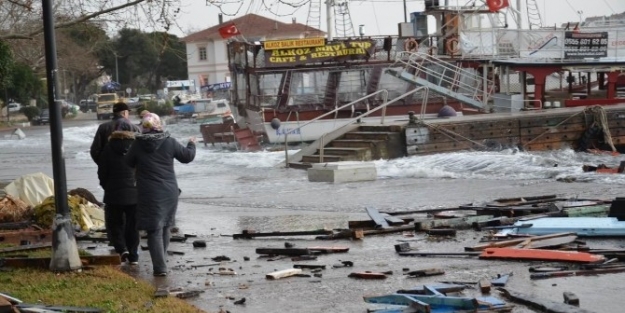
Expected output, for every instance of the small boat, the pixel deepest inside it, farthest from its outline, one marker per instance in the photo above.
(436, 303)
(582, 226)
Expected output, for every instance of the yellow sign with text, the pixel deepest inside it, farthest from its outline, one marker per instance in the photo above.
(294, 43)
(341, 51)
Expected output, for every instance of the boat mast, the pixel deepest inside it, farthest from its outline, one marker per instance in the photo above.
(329, 18)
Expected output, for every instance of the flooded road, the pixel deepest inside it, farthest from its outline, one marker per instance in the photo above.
(224, 192)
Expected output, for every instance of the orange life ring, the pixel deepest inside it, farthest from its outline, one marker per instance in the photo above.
(411, 45)
(453, 45)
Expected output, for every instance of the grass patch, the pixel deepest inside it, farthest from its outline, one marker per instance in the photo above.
(103, 287)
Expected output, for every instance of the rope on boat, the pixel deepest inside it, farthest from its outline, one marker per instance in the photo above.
(549, 129)
(449, 133)
(601, 120)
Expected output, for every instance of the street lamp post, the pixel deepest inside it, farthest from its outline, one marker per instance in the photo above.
(64, 250)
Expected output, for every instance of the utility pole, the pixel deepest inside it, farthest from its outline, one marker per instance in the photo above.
(64, 250)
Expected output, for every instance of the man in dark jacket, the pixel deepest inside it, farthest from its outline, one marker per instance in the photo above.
(120, 193)
(152, 155)
(120, 110)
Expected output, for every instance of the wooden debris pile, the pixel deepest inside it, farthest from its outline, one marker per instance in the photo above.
(14, 210)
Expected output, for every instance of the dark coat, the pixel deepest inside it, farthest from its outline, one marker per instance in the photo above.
(152, 155)
(116, 177)
(102, 136)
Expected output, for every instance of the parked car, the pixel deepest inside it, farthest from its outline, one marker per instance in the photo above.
(43, 118)
(88, 105)
(14, 107)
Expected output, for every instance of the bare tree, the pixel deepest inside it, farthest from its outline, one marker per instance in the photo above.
(17, 16)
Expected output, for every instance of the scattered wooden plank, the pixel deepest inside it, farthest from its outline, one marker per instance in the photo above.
(392, 220)
(247, 234)
(27, 247)
(283, 273)
(550, 242)
(540, 255)
(24, 307)
(14, 225)
(367, 275)
(578, 273)
(442, 288)
(304, 258)
(456, 223)
(45, 262)
(570, 298)
(403, 247)
(441, 232)
(375, 215)
(309, 266)
(425, 253)
(485, 286)
(30, 236)
(284, 251)
(426, 272)
(329, 249)
(540, 304)
(513, 242)
(389, 230)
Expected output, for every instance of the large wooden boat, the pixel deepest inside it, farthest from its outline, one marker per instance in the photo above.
(280, 86)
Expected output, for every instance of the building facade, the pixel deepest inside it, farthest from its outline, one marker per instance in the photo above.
(207, 56)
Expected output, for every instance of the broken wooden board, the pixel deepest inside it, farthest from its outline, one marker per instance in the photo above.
(328, 249)
(517, 241)
(284, 251)
(283, 273)
(375, 215)
(540, 304)
(503, 202)
(27, 247)
(309, 266)
(367, 275)
(456, 223)
(426, 272)
(45, 262)
(442, 288)
(30, 236)
(25, 307)
(597, 271)
(484, 285)
(540, 255)
(441, 232)
(389, 230)
(246, 234)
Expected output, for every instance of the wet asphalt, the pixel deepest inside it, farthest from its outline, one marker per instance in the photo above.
(214, 218)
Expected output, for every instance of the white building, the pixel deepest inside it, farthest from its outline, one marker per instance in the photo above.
(207, 58)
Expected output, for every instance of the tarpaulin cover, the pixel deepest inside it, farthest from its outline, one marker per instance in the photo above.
(31, 188)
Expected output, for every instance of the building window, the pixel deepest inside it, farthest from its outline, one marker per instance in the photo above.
(202, 52)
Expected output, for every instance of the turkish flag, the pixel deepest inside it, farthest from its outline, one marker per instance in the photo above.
(496, 5)
(228, 31)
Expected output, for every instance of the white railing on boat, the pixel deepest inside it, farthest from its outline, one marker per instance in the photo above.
(384, 93)
(381, 107)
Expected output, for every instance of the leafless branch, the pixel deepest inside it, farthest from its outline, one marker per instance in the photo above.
(73, 22)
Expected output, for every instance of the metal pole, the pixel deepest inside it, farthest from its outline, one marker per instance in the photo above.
(116, 70)
(329, 18)
(405, 12)
(64, 250)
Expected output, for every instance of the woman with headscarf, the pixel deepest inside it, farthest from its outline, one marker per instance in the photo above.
(152, 155)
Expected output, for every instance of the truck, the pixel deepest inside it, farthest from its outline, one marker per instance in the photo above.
(104, 104)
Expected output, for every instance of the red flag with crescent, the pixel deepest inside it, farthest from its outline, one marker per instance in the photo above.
(228, 30)
(496, 5)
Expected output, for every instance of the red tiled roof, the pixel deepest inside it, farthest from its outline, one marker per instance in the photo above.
(253, 25)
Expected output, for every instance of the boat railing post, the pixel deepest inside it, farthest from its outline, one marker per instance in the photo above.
(384, 99)
(286, 151)
(321, 144)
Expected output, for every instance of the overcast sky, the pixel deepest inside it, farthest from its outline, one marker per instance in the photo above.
(380, 17)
